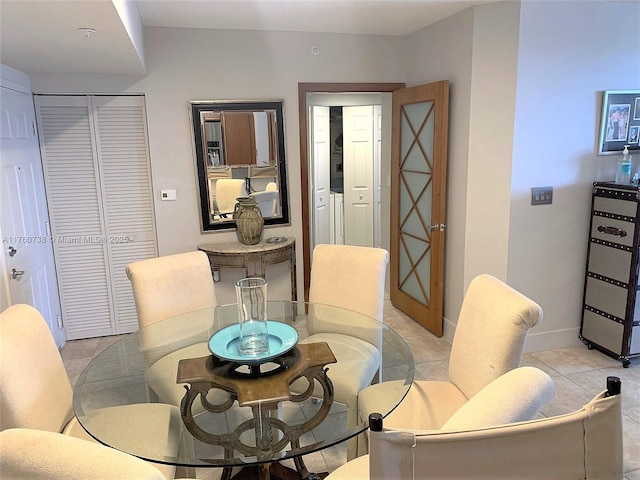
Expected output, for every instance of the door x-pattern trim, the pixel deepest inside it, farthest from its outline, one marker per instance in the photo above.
(416, 143)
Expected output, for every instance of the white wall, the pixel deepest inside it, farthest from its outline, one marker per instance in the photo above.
(584, 49)
(493, 91)
(193, 64)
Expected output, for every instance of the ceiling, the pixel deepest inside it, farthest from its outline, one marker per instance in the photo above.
(44, 36)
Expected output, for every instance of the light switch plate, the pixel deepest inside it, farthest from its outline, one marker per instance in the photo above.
(541, 195)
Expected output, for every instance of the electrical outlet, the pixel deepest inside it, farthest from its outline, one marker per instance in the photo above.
(541, 195)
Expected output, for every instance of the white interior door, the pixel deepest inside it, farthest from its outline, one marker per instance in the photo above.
(358, 167)
(321, 167)
(27, 245)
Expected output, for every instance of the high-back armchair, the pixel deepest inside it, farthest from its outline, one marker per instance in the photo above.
(584, 444)
(488, 342)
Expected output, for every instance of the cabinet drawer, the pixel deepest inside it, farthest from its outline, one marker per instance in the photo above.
(602, 331)
(610, 262)
(616, 206)
(606, 297)
(612, 230)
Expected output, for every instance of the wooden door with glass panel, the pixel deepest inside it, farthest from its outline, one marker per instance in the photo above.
(418, 181)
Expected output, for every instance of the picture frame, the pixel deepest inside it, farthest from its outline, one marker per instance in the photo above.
(620, 121)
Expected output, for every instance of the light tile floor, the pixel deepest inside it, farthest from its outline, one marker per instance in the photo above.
(578, 373)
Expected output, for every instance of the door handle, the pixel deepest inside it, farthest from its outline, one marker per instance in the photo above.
(16, 273)
(437, 226)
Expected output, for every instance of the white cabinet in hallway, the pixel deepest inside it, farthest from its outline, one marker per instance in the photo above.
(98, 182)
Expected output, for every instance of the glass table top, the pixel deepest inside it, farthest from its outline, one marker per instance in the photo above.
(129, 397)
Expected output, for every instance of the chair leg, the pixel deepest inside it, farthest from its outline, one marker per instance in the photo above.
(362, 444)
(185, 472)
(352, 443)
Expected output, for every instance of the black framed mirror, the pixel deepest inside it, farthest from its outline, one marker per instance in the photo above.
(239, 151)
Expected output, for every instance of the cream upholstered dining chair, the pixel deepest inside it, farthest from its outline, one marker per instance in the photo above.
(165, 287)
(265, 201)
(40, 455)
(36, 393)
(273, 187)
(350, 277)
(353, 278)
(227, 191)
(488, 342)
(171, 285)
(584, 444)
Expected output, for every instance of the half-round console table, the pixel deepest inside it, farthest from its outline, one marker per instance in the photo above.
(253, 258)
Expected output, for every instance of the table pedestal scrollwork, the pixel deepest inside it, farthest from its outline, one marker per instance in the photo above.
(262, 390)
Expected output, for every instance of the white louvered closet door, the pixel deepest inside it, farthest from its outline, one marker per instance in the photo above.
(97, 174)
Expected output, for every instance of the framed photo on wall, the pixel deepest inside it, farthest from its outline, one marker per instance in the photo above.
(620, 122)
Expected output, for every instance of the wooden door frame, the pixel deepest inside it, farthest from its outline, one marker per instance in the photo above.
(303, 89)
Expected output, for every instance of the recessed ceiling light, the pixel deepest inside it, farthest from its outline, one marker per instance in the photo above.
(87, 31)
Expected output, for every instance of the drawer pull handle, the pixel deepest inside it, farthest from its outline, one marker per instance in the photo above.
(618, 232)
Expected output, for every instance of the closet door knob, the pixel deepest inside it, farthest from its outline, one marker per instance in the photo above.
(15, 274)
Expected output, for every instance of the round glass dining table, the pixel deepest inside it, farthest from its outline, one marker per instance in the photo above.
(228, 413)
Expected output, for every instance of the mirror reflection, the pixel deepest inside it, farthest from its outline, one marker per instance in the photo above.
(239, 150)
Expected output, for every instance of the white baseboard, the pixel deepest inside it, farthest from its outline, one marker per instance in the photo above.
(448, 329)
(536, 342)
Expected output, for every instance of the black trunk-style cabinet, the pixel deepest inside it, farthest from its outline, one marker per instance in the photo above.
(611, 314)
